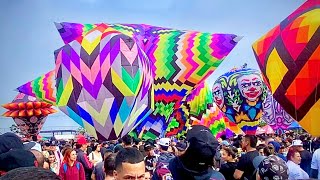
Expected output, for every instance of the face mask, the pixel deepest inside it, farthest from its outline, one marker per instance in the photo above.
(285, 154)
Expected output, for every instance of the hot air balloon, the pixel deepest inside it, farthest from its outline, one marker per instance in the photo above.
(28, 113)
(275, 116)
(43, 88)
(180, 60)
(289, 58)
(240, 94)
(198, 109)
(104, 82)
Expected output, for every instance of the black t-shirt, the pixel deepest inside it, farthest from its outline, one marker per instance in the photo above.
(245, 164)
(228, 169)
(149, 160)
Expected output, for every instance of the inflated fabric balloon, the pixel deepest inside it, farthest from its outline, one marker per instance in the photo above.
(240, 94)
(28, 113)
(104, 82)
(180, 60)
(43, 88)
(289, 58)
(275, 116)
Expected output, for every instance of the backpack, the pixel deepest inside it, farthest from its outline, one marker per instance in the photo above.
(162, 171)
(65, 167)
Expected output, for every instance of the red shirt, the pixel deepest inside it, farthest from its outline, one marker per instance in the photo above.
(72, 172)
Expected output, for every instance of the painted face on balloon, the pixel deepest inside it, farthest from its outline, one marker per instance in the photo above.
(218, 95)
(250, 86)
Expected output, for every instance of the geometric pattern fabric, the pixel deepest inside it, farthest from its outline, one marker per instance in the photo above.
(289, 58)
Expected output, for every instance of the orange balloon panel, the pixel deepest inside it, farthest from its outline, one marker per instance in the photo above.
(289, 58)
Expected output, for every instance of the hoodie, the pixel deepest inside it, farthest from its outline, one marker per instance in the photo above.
(179, 171)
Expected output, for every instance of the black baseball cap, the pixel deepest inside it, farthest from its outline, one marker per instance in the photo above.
(10, 141)
(202, 144)
(148, 146)
(16, 158)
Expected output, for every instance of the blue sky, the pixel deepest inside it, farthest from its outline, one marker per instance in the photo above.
(28, 35)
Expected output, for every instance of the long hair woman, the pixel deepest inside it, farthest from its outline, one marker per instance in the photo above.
(95, 156)
(71, 169)
(53, 164)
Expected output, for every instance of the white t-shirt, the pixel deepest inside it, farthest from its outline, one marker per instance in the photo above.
(315, 163)
(295, 171)
(97, 158)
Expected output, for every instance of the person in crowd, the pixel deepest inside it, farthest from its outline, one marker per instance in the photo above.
(276, 146)
(95, 156)
(147, 175)
(71, 169)
(82, 157)
(39, 156)
(295, 171)
(197, 161)
(229, 156)
(53, 164)
(104, 148)
(16, 158)
(260, 148)
(181, 147)
(109, 166)
(306, 156)
(10, 141)
(98, 171)
(137, 143)
(127, 141)
(53, 147)
(315, 165)
(150, 158)
(245, 167)
(129, 164)
(30, 173)
(271, 167)
(161, 171)
(118, 146)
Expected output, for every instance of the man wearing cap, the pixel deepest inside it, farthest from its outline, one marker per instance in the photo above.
(16, 158)
(150, 160)
(306, 156)
(181, 147)
(197, 161)
(162, 171)
(271, 167)
(83, 158)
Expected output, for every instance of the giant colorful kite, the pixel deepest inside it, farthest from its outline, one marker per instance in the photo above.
(28, 113)
(180, 60)
(104, 82)
(43, 88)
(198, 109)
(289, 58)
(240, 94)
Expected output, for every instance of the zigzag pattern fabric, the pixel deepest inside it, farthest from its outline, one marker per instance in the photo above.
(180, 60)
(104, 82)
(289, 58)
(43, 88)
(198, 109)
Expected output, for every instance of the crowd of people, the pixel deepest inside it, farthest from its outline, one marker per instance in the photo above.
(198, 155)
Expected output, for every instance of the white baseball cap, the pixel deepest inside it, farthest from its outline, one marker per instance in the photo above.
(164, 142)
(297, 142)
